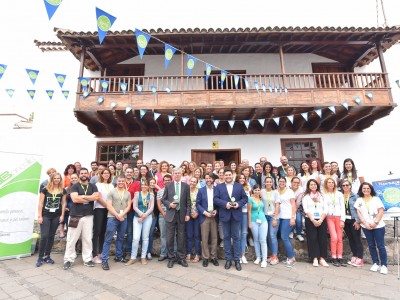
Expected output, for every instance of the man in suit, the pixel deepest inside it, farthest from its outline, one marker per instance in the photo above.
(176, 199)
(230, 198)
(207, 218)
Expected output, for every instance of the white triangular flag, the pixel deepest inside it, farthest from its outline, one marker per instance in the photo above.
(200, 121)
(100, 100)
(319, 112)
(128, 109)
(231, 123)
(370, 96)
(332, 108)
(170, 119)
(264, 88)
(247, 123)
(357, 100)
(270, 88)
(276, 120)
(256, 86)
(216, 123)
(262, 122)
(305, 115)
(113, 104)
(185, 120)
(168, 90)
(156, 115)
(345, 105)
(286, 90)
(291, 118)
(142, 112)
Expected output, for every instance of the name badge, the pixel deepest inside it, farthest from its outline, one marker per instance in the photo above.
(52, 210)
(348, 217)
(121, 211)
(316, 215)
(258, 221)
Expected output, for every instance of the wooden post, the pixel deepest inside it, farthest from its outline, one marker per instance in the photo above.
(282, 65)
(382, 62)
(182, 67)
(81, 67)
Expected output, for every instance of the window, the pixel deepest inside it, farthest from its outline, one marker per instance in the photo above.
(299, 150)
(127, 152)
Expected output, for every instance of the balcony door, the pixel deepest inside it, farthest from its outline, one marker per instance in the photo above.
(227, 155)
(330, 81)
(128, 73)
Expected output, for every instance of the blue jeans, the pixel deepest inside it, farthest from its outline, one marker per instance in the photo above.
(141, 229)
(271, 236)
(260, 232)
(299, 224)
(376, 239)
(163, 235)
(129, 231)
(285, 229)
(244, 227)
(113, 225)
(193, 234)
(151, 236)
(231, 231)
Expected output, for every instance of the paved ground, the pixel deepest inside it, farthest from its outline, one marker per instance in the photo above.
(20, 279)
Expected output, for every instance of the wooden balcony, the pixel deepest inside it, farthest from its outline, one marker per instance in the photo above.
(194, 98)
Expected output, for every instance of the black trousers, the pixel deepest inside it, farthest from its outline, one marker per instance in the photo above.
(99, 229)
(354, 237)
(317, 239)
(179, 227)
(47, 231)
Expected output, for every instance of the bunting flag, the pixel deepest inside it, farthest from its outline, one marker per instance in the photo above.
(167, 89)
(31, 93)
(139, 88)
(85, 94)
(51, 7)
(209, 69)
(319, 112)
(170, 118)
(65, 94)
(345, 105)
(84, 82)
(264, 88)
(332, 108)
(397, 82)
(142, 39)
(142, 112)
(200, 121)
(276, 120)
(246, 123)
(169, 53)
(10, 92)
(33, 74)
(191, 61)
(153, 89)
(286, 90)
(223, 77)
(104, 23)
(256, 86)
(247, 84)
(291, 118)
(216, 123)
(50, 93)
(305, 115)
(113, 104)
(100, 100)
(123, 86)
(276, 90)
(270, 88)
(231, 123)
(280, 90)
(357, 100)
(156, 115)
(2, 70)
(236, 80)
(185, 120)
(104, 84)
(128, 109)
(262, 122)
(60, 79)
(370, 96)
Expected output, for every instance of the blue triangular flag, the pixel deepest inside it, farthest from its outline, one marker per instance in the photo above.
(123, 86)
(104, 23)
(128, 109)
(2, 70)
(247, 84)
(167, 89)
(200, 121)
(398, 83)
(60, 79)
(170, 119)
(142, 112)
(84, 82)
(153, 89)
(280, 90)
(51, 7)
(332, 108)
(100, 100)
(113, 104)
(10, 92)
(370, 96)
(185, 120)
(209, 68)
(169, 53)
(264, 88)
(33, 74)
(286, 90)
(142, 39)
(276, 90)
(65, 94)
(223, 77)
(104, 85)
(256, 86)
(50, 93)
(85, 94)
(216, 123)
(277, 120)
(246, 123)
(345, 105)
(139, 88)
(305, 115)
(191, 61)
(262, 122)
(270, 88)
(291, 118)
(231, 123)
(236, 80)
(31, 93)
(357, 100)
(319, 112)
(156, 115)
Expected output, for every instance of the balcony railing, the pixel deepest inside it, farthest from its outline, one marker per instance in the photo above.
(280, 81)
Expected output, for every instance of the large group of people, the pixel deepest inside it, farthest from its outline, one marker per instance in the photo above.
(194, 206)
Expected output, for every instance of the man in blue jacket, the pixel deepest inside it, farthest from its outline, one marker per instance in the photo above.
(230, 198)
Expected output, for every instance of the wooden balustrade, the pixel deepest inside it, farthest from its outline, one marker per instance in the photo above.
(198, 83)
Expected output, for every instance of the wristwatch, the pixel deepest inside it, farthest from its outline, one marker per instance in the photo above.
(376, 222)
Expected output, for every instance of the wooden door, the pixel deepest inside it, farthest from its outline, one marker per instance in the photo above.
(331, 81)
(199, 156)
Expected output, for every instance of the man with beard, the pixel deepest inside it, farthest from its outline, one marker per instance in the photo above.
(83, 194)
(118, 168)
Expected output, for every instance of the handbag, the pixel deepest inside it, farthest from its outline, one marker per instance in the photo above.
(74, 221)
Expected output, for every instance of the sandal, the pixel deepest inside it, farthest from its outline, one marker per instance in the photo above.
(196, 259)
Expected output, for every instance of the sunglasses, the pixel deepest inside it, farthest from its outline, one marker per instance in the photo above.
(345, 185)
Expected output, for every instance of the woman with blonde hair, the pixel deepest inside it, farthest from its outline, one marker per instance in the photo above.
(163, 167)
(197, 173)
(51, 210)
(245, 222)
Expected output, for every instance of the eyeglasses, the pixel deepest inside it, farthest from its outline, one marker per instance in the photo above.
(343, 185)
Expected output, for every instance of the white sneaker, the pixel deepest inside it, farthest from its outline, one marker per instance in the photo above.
(97, 260)
(257, 261)
(300, 237)
(291, 235)
(243, 260)
(149, 256)
(263, 264)
(375, 268)
(384, 270)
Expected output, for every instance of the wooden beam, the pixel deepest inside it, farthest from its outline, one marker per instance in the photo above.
(365, 123)
(335, 123)
(85, 121)
(299, 125)
(159, 126)
(381, 58)
(268, 116)
(98, 64)
(103, 120)
(195, 125)
(316, 128)
(139, 121)
(177, 121)
(366, 113)
(122, 122)
(212, 124)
